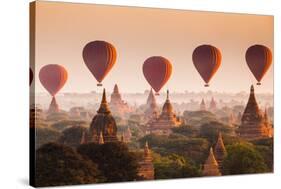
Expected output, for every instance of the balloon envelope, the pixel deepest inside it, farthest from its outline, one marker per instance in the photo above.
(99, 57)
(207, 60)
(30, 76)
(259, 59)
(53, 78)
(157, 71)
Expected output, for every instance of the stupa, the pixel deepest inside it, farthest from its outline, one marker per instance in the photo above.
(213, 105)
(151, 111)
(220, 151)
(117, 105)
(146, 169)
(253, 125)
(167, 120)
(103, 124)
(211, 167)
(202, 105)
(54, 107)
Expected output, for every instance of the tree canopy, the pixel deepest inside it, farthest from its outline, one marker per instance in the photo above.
(58, 165)
(114, 160)
(243, 158)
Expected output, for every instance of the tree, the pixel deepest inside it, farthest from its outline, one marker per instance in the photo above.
(72, 136)
(243, 158)
(186, 130)
(58, 165)
(114, 160)
(173, 166)
(210, 130)
(64, 124)
(45, 135)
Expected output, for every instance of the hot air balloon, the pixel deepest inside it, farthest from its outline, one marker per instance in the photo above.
(30, 76)
(99, 57)
(53, 77)
(259, 59)
(207, 60)
(157, 70)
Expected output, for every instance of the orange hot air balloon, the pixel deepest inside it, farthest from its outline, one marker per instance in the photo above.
(53, 78)
(30, 76)
(157, 70)
(99, 57)
(207, 60)
(259, 59)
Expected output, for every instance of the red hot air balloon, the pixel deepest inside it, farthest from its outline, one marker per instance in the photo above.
(99, 57)
(259, 59)
(207, 60)
(157, 70)
(30, 76)
(53, 78)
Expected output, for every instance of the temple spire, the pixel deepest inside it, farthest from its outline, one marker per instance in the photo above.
(104, 106)
(202, 105)
(101, 141)
(115, 89)
(83, 138)
(211, 167)
(54, 107)
(220, 151)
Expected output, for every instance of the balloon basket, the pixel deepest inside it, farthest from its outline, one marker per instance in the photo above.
(258, 83)
(99, 84)
(157, 94)
(206, 85)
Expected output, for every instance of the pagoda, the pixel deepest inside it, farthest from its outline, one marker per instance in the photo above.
(202, 105)
(253, 125)
(151, 111)
(167, 120)
(211, 167)
(220, 151)
(54, 107)
(117, 105)
(103, 127)
(146, 168)
(213, 105)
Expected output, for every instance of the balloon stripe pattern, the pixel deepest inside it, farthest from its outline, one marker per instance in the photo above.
(99, 57)
(157, 70)
(259, 59)
(53, 77)
(207, 60)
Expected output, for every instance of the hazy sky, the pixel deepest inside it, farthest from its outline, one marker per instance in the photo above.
(63, 29)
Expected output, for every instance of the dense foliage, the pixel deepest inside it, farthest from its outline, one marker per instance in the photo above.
(60, 165)
(114, 160)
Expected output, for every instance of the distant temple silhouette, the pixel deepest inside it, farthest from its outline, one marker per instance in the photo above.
(54, 107)
(213, 105)
(254, 125)
(146, 169)
(202, 105)
(116, 104)
(152, 110)
(103, 128)
(167, 120)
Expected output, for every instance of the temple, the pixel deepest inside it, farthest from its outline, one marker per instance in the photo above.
(151, 111)
(211, 167)
(54, 107)
(167, 120)
(213, 105)
(202, 105)
(220, 151)
(146, 169)
(253, 125)
(103, 127)
(117, 105)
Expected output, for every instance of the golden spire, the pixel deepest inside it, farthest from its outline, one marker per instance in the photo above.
(83, 138)
(220, 151)
(211, 167)
(146, 149)
(104, 106)
(101, 141)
